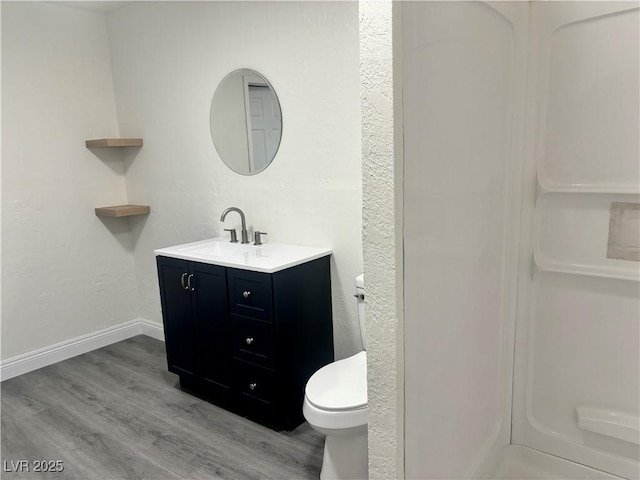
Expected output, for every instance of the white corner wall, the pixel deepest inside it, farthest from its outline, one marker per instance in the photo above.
(380, 69)
(65, 273)
(463, 97)
(168, 58)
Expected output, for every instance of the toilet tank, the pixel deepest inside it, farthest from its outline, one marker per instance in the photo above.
(360, 299)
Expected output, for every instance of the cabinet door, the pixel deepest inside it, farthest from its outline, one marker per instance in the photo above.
(179, 323)
(209, 302)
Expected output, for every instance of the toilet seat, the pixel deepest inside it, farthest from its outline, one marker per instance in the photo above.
(340, 386)
(336, 395)
(337, 422)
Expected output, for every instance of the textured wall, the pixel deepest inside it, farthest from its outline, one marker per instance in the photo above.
(382, 236)
(65, 272)
(168, 58)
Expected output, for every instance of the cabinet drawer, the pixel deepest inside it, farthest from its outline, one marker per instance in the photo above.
(254, 383)
(252, 340)
(250, 294)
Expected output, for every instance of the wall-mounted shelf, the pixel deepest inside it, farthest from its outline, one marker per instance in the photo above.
(114, 142)
(123, 210)
(126, 210)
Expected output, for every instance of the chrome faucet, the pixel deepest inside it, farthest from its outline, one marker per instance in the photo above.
(244, 234)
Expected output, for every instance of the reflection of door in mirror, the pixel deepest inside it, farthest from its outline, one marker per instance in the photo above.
(263, 121)
(265, 125)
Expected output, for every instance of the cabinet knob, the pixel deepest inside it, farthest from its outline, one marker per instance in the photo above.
(246, 294)
(249, 340)
(253, 386)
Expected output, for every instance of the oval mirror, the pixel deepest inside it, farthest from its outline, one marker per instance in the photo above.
(246, 121)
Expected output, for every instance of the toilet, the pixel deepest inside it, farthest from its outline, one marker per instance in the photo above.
(335, 404)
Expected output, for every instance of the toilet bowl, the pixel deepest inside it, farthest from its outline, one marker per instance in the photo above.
(335, 404)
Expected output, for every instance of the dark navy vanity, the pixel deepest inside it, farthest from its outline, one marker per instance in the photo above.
(248, 338)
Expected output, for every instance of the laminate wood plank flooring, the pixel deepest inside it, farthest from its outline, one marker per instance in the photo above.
(117, 413)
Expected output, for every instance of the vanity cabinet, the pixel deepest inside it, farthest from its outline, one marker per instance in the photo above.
(247, 340)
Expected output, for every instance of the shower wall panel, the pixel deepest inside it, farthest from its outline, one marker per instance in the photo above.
(463, 101)
(577, 368)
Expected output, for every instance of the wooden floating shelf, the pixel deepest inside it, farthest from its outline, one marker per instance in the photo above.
(123, 210)
(114, 142)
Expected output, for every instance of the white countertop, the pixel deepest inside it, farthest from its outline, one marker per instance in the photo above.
(266, 258)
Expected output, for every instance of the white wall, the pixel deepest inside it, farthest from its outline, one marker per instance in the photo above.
(65, 272)
(168, 58)
(463, 98)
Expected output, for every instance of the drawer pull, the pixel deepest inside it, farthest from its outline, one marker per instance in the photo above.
(253, 386)
(249, 340)
(246, 294)
(184, 275)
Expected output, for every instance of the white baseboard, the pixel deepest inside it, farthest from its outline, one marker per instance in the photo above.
(151, 329)
(43, 357)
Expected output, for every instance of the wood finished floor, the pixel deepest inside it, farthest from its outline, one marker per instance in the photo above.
(117, 413)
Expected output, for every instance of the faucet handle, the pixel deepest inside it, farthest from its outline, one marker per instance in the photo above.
(256, 236)
(234, 235)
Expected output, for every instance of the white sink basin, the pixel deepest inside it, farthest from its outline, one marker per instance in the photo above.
(267, 258)
(215, 248)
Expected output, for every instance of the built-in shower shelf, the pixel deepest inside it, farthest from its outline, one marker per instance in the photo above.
(545, 265)
(114, 142)
(549, 187)
(610, 423)
(123, 210)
